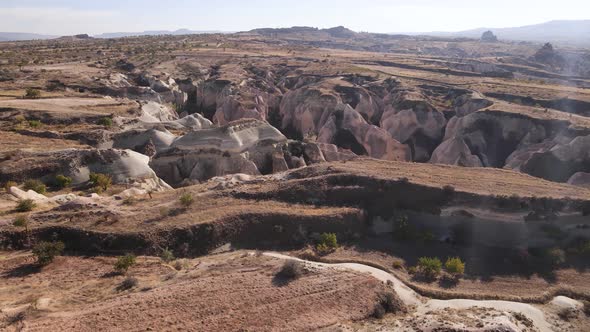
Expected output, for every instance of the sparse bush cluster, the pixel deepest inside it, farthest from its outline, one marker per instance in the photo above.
(32, 93)
(101, 182)
(22, 222)
(186, 200)
(404, 231)
(123, 263)
(47, 251)
(26, 205)
(431, 267)
(327, 244)
(35, 185)
(167, 255)
(292, 269)
(387, 302)
(62, 181)
(128, 283)
(9, 184)
(106, 122)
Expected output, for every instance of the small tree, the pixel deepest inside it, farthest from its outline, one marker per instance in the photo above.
(186, 200)
(32, 93)
(124, 263)
(328, 243)
(63, 181)
(21, 221)
(46, 251)
(102, 181)
(35, 185)
(26, 205)
(167, 255)
(429, 267)
(107, 122)
(455, 266)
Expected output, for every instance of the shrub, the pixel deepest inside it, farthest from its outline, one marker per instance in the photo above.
(9, 184)
(455, 266)
(292, 269)
(186, 200)
(32, 93)
(21, 222)
(555, 256)
(26, 205)
(102, 181)
(586, 308)
(46, 251)
(35, 123)
(62, 181)
(402, 230)
(36, 186)
(167, 255)
(387, 302)
(330, 240)
(123, 263)
(107, 122)
(429, 267)
(128, 283)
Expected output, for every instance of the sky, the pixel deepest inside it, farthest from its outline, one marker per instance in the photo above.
(67, 17)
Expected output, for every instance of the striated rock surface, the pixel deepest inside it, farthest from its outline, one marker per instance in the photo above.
(455, 152)
(124, 166)
(581, 179)
(247, 146)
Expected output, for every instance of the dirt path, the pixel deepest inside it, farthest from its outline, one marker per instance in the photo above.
(424, 306)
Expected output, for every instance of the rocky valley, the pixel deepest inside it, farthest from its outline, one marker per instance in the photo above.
(293, 180)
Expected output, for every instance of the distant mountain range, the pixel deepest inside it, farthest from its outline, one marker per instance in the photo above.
(16, 36)
(566, 32)
(560, 32)
(155, 33)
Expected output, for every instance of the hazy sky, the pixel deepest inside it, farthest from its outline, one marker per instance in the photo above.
(63, 17)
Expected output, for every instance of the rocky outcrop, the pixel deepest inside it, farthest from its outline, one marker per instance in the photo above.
(493, 136)
(581, 179)
(156, 112)
(410, 119)
(166, 87)
(468, 103)
(455, 152)
(124, 166)
(247, 146)
(489, 37)
(136, 140)
(315, 111)
(561, 162)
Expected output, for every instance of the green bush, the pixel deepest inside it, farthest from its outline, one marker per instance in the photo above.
(123, 263)
(186, 200)
(9, 184)
(46, 251)
(329, 239)
(429, 267)
(32, 93)
(455, 266)
(35, 123)
(107, 122)
(62, 181)
(21, 221)
(26, 205)
(555, 256)
(167, 255)
(101, 181)
(36, 186)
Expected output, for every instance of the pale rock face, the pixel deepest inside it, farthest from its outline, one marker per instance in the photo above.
(309, 110)
(153, 112)
(580, 179)
(469, 103)
(561, 162)
(247, 146)
(332, 153)
(494, 136)
(167, 88)
(138, 139)
(455, 152)
(410, 119)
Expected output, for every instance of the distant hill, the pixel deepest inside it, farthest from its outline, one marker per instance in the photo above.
(564, 32)
(17, 36)
(154, 33)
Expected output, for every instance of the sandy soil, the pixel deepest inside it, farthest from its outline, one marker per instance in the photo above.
(227, 292)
